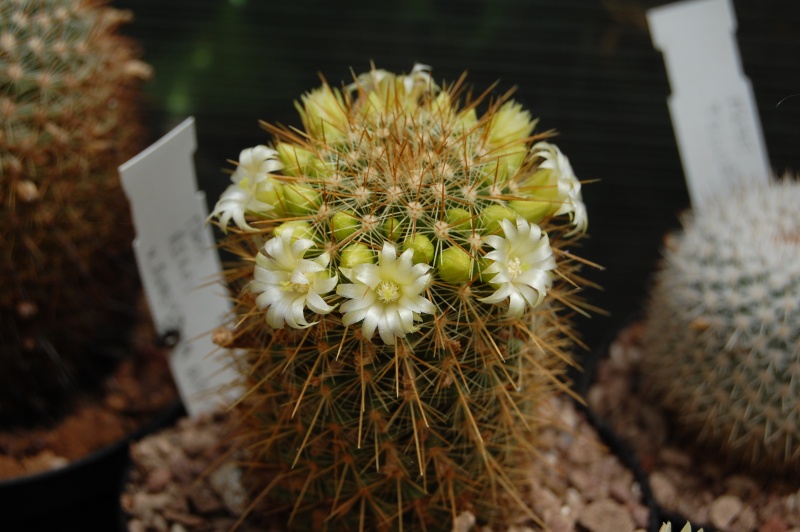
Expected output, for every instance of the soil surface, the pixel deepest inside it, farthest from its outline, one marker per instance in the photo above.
(686, 482)
(185, 478)
(139, 388)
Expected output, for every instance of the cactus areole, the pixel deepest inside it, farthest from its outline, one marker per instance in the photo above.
(403, 302)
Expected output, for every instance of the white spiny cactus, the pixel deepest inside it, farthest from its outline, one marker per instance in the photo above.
(723, 325)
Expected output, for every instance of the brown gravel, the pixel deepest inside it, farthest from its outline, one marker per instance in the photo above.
(182, 481)
(686, 481)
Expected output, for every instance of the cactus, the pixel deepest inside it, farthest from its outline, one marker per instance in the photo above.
(404, 298)
(667, 527)
(722, 340)
(69, 85)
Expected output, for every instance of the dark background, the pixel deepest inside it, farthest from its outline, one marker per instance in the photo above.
(585, 67)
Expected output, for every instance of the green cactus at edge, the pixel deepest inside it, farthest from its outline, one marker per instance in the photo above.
(667, 527)
(403, 303)
(68, 87)
(722, 343)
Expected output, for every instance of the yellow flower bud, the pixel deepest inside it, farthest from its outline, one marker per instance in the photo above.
(442, 104)
(466, 120)
(492, 215)
(356, 254)
(458, 219)
(300, 229)
(344, 223)
(374, 106)
(422, 246)
(392, 228)
(455, 265)
(509, 125)
(324, 115)
(301, 199)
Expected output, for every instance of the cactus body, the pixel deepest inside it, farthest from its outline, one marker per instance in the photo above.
(723, 326)
(68, 83)
(401, 327)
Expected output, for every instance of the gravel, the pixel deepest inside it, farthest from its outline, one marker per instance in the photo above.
(186, 479)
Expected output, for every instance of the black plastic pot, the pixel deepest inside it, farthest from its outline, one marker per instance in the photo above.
(583, 381)
(83, 495)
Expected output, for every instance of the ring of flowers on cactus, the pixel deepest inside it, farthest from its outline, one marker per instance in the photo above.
(403, 302)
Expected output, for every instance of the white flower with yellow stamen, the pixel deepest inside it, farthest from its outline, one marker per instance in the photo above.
(287, 283)
(569, 187)
(386, 296)
(521, 261)
(251, 177)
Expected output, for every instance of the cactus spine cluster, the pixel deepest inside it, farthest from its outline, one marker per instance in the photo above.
(723, 326)
(68, 86)
(403, 303)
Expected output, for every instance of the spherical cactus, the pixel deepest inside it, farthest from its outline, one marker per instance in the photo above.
(403, 303)
(69, 83)
(723, 326)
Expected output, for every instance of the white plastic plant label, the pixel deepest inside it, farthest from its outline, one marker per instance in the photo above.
(178, 264)
(712, 107)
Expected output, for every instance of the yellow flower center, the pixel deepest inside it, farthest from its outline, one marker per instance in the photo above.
(289, 286)
(515, 267)
(388, 291)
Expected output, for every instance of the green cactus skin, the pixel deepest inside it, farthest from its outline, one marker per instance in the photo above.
(722, 342)
(344, 431)
(68, 88)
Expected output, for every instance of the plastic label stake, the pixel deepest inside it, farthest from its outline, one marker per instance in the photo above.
(712, 107)
(179, 265)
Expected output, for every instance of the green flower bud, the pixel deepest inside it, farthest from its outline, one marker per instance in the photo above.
(271, 192)
(392, 228)
(300, 229)
(301, 199)
(539, 196)
(298, 161)
(458, 219)
(484, 263)
(496, 171)
(533, 210)
(513, 159)
(344, 224)
(455, 265)
(422, 246)
(492, 215)
(356, 254)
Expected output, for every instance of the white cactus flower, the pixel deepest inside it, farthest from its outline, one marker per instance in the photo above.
(251, 177)
(521, 262)
(569, 187)
(386, 296)
(287, 283)
(420, 76)
(418, 79)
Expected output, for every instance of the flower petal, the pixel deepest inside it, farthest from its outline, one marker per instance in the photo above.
(516, 305)
(317, 304)
(353, 291)
(371, 320)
